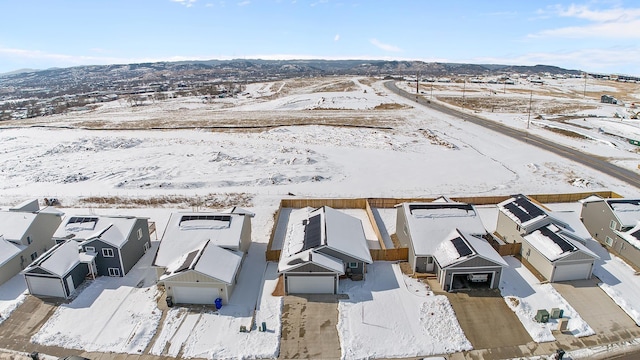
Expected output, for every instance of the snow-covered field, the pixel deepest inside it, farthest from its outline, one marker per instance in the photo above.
(391, 315)
(397, 150)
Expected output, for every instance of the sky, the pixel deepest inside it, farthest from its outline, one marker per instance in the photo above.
(595, 36)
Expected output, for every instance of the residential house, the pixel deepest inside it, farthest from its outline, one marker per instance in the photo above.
(550, 245)
(118, 241)
(25, 234)
(59, 271)
(447, 238)
(322, 245)
(614, 223)
(201, 253)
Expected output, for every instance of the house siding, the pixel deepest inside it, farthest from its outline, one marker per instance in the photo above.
(134, 249)
(245, 235)
(596, 217)
(310, 268)
(476, 261)
(404, 237)
(508, 229)
(79, 273)
(104, 263)
(537, 260)
(41, 231)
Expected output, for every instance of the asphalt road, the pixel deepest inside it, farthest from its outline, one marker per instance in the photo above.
(588, 160)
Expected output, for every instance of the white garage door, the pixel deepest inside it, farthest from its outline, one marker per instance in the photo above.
(572, 272)
(46, 286)
(194, 295)
(310, 284)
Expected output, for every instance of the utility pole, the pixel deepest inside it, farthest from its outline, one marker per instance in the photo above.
(530, 101)
(464, 87)
(584, 93)
(417, 82)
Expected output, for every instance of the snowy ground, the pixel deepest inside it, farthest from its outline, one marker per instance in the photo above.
(390, 308)
(418, 153)
(12, 294)
(525, 295)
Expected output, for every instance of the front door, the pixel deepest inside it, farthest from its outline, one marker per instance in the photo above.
(429, 263)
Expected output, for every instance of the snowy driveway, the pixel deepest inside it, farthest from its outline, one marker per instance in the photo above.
(391, 315)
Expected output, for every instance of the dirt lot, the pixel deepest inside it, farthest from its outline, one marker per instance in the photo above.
(309, 327)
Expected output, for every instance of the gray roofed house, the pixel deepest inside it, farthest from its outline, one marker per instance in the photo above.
(117, 242)
(320, 246)
(552, 243)
(59, 271)
(200, 255)
(25, 234)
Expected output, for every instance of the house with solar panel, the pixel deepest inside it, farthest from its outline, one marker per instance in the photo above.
(115, 242)
(551, 245)
(614, 223)
(448, 238)
(321, 246)
(201, 254)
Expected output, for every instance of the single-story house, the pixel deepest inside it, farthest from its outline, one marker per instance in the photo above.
(200, 255)
(614, 223)
(550, 244)
(118, 242)
(320, 246)
(59, 271)
(463, 259)
(25, 234)
(423, 226)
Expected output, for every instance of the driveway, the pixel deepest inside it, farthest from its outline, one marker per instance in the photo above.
(486, 319)
(309, 327)
(595, 306)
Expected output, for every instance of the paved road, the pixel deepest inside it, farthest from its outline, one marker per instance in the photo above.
(591, 161)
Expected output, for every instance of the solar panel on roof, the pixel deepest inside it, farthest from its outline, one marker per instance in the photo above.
(636, 234)
(80, 220)
(564, 244)
(205, 217)
(312, 233)
(517, 212)
(529, 207)
(461, 247)
(187, 262)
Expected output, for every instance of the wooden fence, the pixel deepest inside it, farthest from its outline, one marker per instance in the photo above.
(375, 225)
(400, 254)
(316, 203)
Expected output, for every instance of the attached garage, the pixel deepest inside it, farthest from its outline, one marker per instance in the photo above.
(567, 272)
(308, 284)
(45, 286)
(57, 272)
(195, 295)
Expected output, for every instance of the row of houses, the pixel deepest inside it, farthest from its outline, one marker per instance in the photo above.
(200, 254)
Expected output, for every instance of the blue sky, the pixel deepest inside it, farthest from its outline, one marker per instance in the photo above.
(598, 36)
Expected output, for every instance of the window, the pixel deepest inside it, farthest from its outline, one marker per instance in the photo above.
(608, 241)
(429, 260)
(34, 255)
(612, 225)
(139, 234)
(106, 252)
(29, 240)
(114, 272)
(89, 249)
(353, 265)
(528, 252)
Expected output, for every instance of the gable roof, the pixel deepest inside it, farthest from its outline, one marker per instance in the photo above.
(58, 260)
(626, 210)
(14, 224)
(344, 233)
(311, 257)
(632, 236)
(552, 244)
(210, 260)
(431, 223)
(9, 250)
(460, 246)
(522, 210)
(187, 231)
(113, 230)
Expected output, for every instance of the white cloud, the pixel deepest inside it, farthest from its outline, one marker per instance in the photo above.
(383, 46)
(244, 3)
(614, 23)
(187, 3)
(337, 37)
